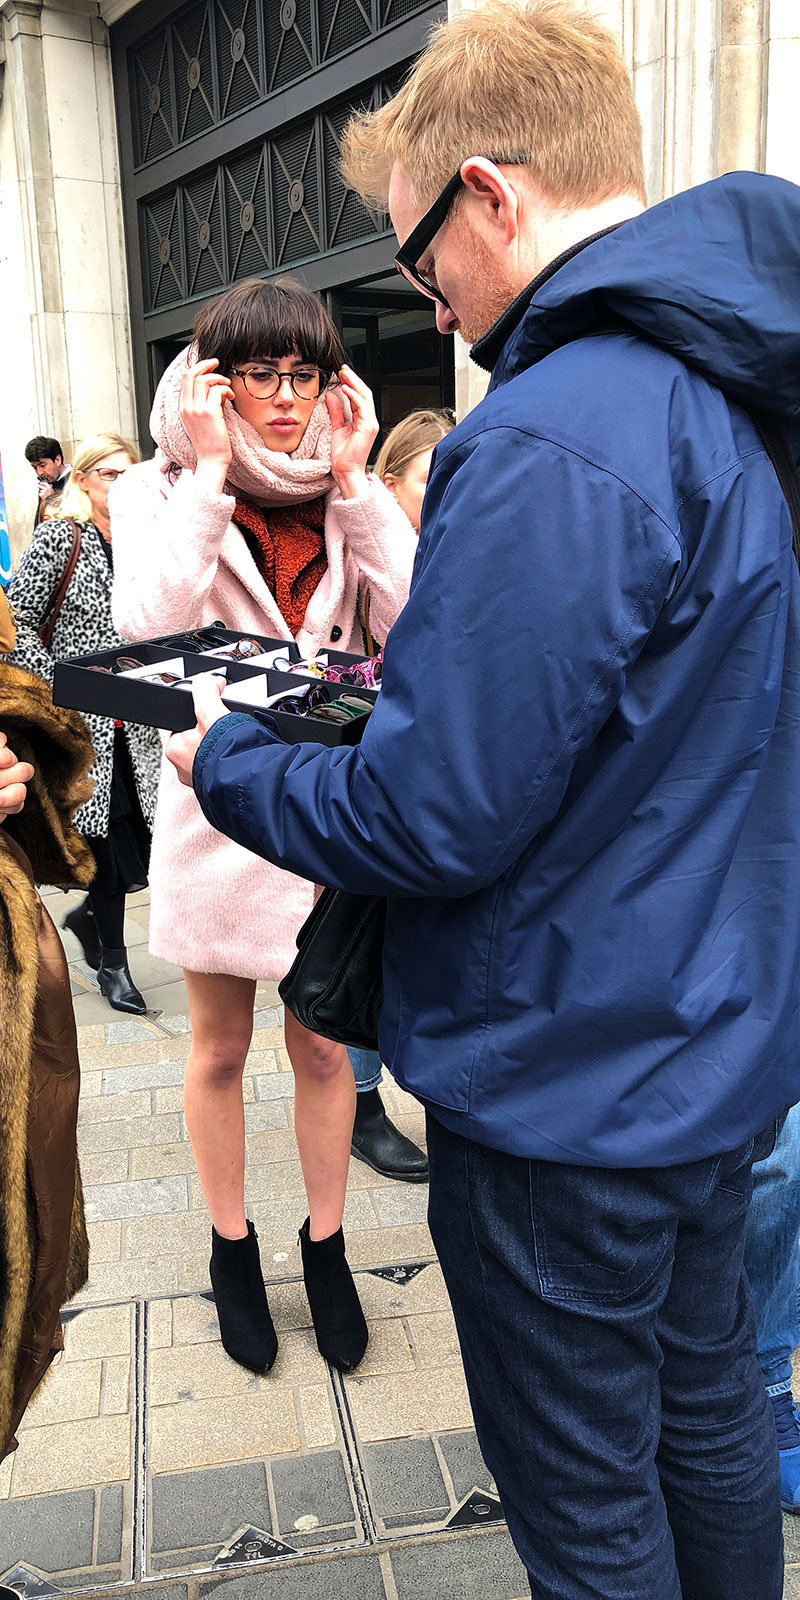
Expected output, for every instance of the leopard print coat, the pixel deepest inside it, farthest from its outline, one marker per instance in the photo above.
(84, 625)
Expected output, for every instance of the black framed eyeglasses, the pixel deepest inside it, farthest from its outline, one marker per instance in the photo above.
(262, 382)
(423, 235)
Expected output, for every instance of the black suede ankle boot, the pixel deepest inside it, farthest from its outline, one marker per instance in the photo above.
(245, 1324)
(381, 1145)
(81, 922)
(339, 1324)
(116, 983)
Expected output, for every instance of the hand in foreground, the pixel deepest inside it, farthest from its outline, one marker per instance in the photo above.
(14, 775)
(352, 441)
(204, 391)
(183, 747)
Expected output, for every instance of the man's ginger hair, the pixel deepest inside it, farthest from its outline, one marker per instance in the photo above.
(541, 84)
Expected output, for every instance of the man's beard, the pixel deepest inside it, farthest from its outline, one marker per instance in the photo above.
(489, 290)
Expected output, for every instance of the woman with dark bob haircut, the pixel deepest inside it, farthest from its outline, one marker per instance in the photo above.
(257, 511)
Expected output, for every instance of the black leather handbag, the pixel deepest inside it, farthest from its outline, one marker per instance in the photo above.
(335, 983)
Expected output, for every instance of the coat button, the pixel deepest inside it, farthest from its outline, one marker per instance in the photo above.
(336, 633)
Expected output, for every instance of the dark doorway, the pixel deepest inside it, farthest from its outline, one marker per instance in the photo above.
(162, 352)
(390, 335)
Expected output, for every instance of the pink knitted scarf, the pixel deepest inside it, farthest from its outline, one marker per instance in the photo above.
(265, 477)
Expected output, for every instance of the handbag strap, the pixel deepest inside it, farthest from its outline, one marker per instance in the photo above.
(776, 445)
(372, 648)
(56, 600)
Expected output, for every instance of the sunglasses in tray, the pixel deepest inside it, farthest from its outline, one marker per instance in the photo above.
(151, 683)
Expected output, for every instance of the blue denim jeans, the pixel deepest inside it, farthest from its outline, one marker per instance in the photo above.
(772, 1255)
(609, 1346)
(366, 1065)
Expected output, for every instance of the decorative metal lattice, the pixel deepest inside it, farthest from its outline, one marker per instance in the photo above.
(295, 194)
(238, 54)
(345, 217)
(343, 24)
(392, 11)
(248, 234)
(290, 42)
(206, 267)
(275, 204)
(195, 86)
(151, 95)
(164, 259)
(217, 58)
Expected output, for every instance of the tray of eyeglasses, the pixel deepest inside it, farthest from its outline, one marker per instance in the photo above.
(326, 698)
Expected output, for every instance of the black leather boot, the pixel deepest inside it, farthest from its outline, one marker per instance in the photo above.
(81, 922)
(245, 1325)
(339, 1325)
(117, 985)
(377, 1141)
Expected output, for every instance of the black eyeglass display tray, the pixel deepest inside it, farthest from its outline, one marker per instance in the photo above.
(124, 694)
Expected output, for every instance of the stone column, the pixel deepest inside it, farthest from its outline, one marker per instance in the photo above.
(781, 78)
(741, 86)
(672, 50)
(715, 82)
(62, 268)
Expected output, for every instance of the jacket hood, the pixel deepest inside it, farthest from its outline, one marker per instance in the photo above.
(712, 275)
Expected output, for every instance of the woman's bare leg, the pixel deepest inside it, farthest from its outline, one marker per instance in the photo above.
(221, 1016)
(325, 1094)
(324, 1110)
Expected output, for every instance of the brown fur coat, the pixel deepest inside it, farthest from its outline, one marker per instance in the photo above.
(43, 1242)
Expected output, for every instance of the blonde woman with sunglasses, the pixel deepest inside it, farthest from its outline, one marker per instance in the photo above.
(116, 821)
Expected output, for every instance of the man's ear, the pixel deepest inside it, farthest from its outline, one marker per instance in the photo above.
(58, 461)
(487, 184)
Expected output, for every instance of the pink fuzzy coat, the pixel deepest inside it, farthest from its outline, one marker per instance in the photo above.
(180, 562)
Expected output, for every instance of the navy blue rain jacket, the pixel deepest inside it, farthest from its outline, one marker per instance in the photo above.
(580, 789)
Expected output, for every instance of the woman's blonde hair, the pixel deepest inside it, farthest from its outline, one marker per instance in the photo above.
(540, 84)
(75, 501)
(419, 431)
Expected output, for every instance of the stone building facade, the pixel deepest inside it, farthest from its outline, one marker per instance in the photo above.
(715, 81)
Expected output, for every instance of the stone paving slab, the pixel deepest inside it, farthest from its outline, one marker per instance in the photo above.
(408, 1405)
(474, 1569)
(227, 1448)
(67, 1492)
(359, 1578)
(148, 1075)
(791, 1538)
(110, 1202)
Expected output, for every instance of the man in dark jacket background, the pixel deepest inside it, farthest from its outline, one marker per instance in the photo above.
(579, 793)
(52, 474)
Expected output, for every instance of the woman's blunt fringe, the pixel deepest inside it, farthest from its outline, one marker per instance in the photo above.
(278, 318)
(544, 78)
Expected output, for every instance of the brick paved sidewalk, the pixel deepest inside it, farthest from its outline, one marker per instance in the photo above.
(148, 1453)
(149, 1462)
